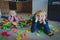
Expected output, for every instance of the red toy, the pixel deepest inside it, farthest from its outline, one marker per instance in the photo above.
(0, 24)
(5, 34)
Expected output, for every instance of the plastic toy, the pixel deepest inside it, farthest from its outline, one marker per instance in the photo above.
(8, 30)
(4, 17)
(18, 27)
(25, 21)
(21, 24)
(0, 24)
(18, 38)
(24, 35)
(55, 30)
(9, 27)
(19, 33)
(5, 21)
(2, 38)
(28, 30)
(4, 33)
(37, 34)
(14, 30)
(15, 23)
(22, 29)
(50, 25)
(14, 26)
(40, 32)
(5, 25)
(20, 17)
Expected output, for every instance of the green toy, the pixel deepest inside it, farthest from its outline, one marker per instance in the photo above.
(6, 25)
(22, 29)
(40, 32)
(2, 38)
(22, 24)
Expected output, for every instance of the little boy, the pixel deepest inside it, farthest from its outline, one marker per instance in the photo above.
(40, 19)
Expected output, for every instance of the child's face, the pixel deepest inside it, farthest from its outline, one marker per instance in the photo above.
(13, 14)
(40, 16)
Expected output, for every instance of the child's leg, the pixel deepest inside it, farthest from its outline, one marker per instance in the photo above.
(39, 26)
(46, 27)
(34, 27)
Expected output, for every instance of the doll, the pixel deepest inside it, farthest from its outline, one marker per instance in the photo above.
(39, 20)
(12, 16)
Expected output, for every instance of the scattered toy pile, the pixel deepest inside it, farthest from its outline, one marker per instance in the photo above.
(19, 28)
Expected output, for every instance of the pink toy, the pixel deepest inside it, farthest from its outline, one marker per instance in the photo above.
(12, 16)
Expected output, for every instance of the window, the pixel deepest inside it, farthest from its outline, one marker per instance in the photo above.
(12, 5)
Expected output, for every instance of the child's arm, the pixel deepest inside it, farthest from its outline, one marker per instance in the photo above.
(16, 18)
(32, 18)
(10, 19)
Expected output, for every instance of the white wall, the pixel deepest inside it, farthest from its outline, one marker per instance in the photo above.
(39, 4)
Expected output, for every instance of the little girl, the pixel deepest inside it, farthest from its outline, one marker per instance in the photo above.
(12, 16)
(39, 20)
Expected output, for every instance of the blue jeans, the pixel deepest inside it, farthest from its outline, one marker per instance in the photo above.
(37, 24)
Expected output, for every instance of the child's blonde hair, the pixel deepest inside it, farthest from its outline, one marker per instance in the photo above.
(41, 12)
(12, 13)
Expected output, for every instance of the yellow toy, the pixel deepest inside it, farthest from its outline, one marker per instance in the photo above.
(19, 33)
(55, 30)
(50, 25)
(37, 34)
(5, 21)
(18, 38)
(28, 30)
(15, 23)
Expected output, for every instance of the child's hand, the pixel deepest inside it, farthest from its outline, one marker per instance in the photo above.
(36, 19)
